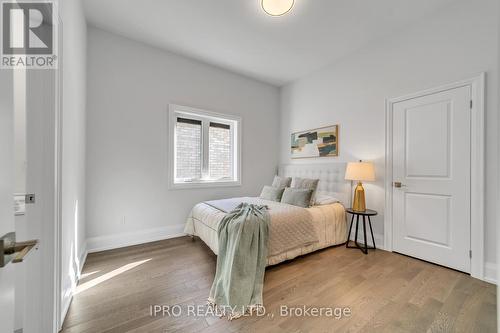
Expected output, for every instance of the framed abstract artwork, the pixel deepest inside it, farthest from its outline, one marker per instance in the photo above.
(319, 142)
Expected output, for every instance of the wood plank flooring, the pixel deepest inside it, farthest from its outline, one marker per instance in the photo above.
(385, 292)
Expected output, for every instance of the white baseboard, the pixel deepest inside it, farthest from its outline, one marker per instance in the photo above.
(490, 272)
(66, 302)
(102, 243)
(379, 239)
(83, 258)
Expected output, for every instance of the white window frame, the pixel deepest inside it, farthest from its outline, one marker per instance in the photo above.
(176, 111)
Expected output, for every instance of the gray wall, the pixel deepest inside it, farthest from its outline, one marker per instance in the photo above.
(130, 86)
(454, 44)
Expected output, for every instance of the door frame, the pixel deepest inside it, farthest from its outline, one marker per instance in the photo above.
(50, 203)
(477, 84)
(51, 190)
(59, 316)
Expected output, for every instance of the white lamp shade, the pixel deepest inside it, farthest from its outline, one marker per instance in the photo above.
(360, 171)
(277, 7)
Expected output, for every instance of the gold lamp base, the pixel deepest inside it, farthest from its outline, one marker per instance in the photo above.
(359, 198)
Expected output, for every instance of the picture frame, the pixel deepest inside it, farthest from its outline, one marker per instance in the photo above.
(318, 142)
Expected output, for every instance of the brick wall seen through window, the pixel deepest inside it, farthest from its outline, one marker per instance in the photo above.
(188, 142)
(219, 150)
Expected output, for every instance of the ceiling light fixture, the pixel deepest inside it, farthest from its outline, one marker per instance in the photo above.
(277, 7)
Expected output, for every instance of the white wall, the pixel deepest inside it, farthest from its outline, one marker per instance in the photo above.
(129, 88)
(74, 54)
(456, 43)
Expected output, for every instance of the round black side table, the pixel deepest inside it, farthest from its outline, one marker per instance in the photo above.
(367, 213)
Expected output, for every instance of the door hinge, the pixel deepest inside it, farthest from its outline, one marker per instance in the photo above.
(470, 254)
(471, 103)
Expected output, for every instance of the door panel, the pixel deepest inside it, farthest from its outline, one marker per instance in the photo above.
(428, 218)
(431, 147)
(433, 161)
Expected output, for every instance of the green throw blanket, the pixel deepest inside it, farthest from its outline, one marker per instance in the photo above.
(241, 263)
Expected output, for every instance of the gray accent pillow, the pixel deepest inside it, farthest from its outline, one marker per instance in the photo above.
(297, 197)
(306, 183)
(281, 182)
(271, 193)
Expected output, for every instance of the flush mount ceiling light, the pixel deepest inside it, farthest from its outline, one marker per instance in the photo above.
(277, 7)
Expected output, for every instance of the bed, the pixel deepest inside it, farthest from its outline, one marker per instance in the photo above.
(327, 222)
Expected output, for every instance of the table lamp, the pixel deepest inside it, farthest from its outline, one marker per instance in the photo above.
(359, 171)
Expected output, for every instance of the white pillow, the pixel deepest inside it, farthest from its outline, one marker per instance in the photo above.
(324, 199)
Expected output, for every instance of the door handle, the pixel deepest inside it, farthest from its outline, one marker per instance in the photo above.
(10, 250)
(398, 184)
(23, 250)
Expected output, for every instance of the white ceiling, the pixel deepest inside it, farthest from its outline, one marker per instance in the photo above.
(239, 36)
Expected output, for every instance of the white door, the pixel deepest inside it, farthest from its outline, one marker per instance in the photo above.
(27, 165)
(7, 273)
(431, 161)
(38, 310)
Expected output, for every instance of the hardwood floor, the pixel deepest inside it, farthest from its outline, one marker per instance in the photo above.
(385, 292)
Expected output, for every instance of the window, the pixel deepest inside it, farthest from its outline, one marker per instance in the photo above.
(204, 148)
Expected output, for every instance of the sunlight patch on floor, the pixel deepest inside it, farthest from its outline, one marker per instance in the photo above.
(86, 275)
(107, 276)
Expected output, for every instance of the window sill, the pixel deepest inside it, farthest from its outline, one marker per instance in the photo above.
(181, 186)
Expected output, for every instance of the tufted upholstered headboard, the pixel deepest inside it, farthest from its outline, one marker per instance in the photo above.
(331, 178)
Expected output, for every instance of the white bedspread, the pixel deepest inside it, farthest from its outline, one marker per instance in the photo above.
(294, 231)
